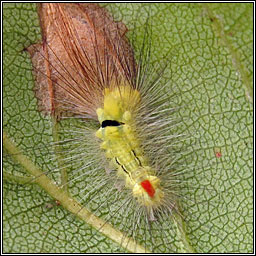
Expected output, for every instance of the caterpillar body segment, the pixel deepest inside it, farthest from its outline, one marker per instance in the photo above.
(123, 148)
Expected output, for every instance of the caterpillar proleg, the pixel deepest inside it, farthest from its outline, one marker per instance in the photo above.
(117, 111)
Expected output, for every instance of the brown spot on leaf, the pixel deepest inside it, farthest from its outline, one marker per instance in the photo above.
(82, 52)
(217, 152)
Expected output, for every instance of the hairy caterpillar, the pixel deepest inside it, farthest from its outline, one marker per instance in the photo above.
(140, 227)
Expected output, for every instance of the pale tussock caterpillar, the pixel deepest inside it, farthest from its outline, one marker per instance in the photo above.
(109, 178)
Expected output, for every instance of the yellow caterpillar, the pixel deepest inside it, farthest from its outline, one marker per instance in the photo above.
(122, 146)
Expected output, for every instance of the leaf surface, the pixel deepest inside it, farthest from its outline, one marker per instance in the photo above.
(210, 48)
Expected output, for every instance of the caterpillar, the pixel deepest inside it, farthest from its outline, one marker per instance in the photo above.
(125, 124)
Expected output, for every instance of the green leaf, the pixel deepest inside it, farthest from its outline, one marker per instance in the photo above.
(211, 56)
